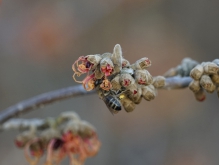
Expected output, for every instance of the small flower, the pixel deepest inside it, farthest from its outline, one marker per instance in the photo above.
(126, 80)
(106, 66)
(107, 70)
(106, 85)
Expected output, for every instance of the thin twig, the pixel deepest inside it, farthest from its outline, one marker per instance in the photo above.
(65, 93)
(41, 100)
(177, 82)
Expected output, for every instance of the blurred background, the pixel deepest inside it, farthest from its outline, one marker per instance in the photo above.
(40, 40)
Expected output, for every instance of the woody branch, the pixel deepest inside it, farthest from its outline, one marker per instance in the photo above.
(71, 92)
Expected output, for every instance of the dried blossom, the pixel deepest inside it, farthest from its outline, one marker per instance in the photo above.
(65, 136)
(106, 85)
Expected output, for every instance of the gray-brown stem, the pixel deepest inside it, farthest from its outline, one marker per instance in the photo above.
(74, 91)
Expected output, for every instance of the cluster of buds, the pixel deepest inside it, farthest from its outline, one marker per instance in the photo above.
(183, 69)
(116, 80)
(58, 138)
(205, 78)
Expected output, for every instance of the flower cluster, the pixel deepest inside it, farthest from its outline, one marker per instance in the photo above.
(65, 136)
(116, 80)
(205, 77)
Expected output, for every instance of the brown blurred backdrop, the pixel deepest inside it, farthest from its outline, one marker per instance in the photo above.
(39, 41)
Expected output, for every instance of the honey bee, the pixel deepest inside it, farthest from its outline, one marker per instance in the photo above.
(112, 103)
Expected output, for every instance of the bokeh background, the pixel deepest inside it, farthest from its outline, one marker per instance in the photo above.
(39, 41)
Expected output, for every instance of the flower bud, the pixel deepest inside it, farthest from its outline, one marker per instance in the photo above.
(159, 81)
(127, 70)
(197, 72)
(49, 134)
(148, 92)
(143, 77)
(72, 126)
(86, 129)
(143, 63)
(125, 63)
(115, 83)
(66, 116)
(200, 95)
(210, 68)
(215, 79)
(216, 61)
(117, 58)
(171, 72)
(207, 84)
(94, 59)
(128, 105)
(22, 139)
(135, 95)
(194, 86)
(106, 55)
(126, 80)
(98, 73)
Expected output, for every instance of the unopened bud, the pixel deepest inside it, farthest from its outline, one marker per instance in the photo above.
(126, 80)
(69, 115)
(207, 84)
(86, 129)
(49, 134)
(72, 126)
(143, 77)
(200, 95)
(148, 92)
(127, 70)
(197, 72)
(135, 95)
(143, 63)
(211, 68)
(215, 79)
(98, 73)
(115, 83)
(171, 72)
(117, 58)
(94, 59)
(216, 61)
(106, 55)
(125, 63)
(159, 81)
(128, 104)
(22, 139)
(194, 86)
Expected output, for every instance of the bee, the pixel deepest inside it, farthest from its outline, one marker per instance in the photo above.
(112, 103)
